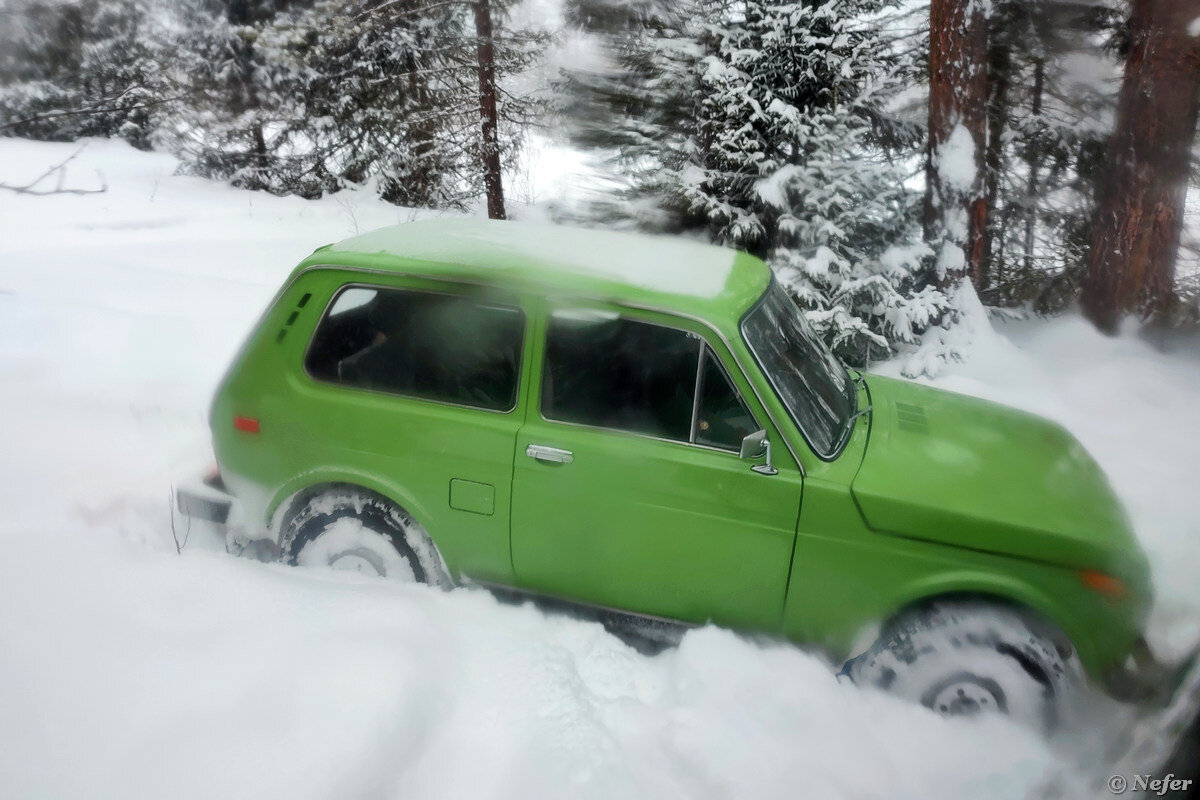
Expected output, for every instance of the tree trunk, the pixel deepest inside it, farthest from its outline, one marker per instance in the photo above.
(1035, 162)
(955, 199)
(1131, 263)
(239, 13)
(999, 77)
(490, 144)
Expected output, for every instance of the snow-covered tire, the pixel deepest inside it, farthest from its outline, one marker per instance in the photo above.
(967, 658)
(359, 531)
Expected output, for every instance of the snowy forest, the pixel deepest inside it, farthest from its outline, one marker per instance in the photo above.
(985, 207)
(901, 165)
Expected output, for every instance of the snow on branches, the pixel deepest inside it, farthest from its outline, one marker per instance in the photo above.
(772, 133)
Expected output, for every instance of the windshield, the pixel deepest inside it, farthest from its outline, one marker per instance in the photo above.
(811, 382)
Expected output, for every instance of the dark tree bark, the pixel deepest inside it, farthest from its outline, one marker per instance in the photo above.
(999, 78)
(490, 145)
(956, 214)
(240, 12)
(1035, 163)
(1131, 263)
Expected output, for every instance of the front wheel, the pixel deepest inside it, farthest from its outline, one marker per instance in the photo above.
(967, 659)
(353, 530)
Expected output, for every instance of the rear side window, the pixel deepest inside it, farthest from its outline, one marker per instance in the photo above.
(611, 372)
(432, 346)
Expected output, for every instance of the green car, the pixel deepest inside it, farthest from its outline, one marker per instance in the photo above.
(648, 426)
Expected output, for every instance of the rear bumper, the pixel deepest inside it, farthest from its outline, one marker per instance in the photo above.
(205, 499)
(209, 500)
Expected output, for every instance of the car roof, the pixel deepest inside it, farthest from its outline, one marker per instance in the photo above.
(715, 284)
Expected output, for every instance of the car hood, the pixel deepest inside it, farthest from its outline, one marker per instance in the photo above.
(962, 471)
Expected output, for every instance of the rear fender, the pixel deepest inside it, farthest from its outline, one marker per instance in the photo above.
(287, 497)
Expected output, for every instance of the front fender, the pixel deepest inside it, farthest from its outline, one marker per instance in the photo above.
(1002, 589)
(842, 590)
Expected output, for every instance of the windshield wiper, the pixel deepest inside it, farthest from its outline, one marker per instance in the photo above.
(848, 425)
(858, 414)
(856, 379)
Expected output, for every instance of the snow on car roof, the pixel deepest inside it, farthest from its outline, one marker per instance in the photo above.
(567, 258)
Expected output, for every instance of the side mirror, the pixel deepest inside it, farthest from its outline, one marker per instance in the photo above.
(754, 445)
(757, 445)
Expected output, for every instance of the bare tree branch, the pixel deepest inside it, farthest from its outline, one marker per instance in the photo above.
(60, 169)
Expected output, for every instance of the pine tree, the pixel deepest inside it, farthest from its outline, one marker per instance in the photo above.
(311, 97)
(955, 203)
(223, 72)
(772, 136)
(1131, 264)
(638, 110)
(489, 143)
(79, 68)
(1046, 124)
(365, 98)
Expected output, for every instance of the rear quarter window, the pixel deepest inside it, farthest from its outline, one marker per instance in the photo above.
(428, 345)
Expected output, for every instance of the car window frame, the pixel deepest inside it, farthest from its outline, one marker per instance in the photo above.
(847, 433)
(741, 398)
(522, 368)
(624, 312)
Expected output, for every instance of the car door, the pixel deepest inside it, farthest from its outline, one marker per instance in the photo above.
(628, 489)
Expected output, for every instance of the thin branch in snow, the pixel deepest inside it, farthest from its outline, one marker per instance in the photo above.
(179, 545)
(60, 170)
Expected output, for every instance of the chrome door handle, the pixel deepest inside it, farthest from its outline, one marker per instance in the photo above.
(550, 454)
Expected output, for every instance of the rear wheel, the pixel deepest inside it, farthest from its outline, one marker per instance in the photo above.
(967, 659)
(354, 530)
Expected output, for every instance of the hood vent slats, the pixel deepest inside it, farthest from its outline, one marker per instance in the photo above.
(911, 418)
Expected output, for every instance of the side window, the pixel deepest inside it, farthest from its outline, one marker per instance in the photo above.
(612, 372)
(722, 419)
(422, 344)
(620, 373)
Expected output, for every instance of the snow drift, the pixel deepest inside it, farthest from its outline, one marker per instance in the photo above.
(130, 670)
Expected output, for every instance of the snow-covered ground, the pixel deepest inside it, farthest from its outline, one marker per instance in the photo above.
(128, 670)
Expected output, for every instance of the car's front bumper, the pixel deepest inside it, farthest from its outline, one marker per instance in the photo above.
(1144, 679)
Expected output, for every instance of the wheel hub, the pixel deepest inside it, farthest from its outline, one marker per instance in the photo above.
(966, 695)
(358, 559)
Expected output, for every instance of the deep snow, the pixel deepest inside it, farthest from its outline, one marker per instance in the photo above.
(128, 670)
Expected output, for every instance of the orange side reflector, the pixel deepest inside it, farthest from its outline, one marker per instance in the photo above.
(1103, 583)
(246, 424)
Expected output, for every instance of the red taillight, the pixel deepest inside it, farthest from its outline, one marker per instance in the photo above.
(1103, 583)
(247, 424)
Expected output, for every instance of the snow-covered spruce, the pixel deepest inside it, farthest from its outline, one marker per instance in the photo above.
(766, 126)
(965, 658)
(101, 55)
(793, 96)
(301, 98)
(352, 529)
